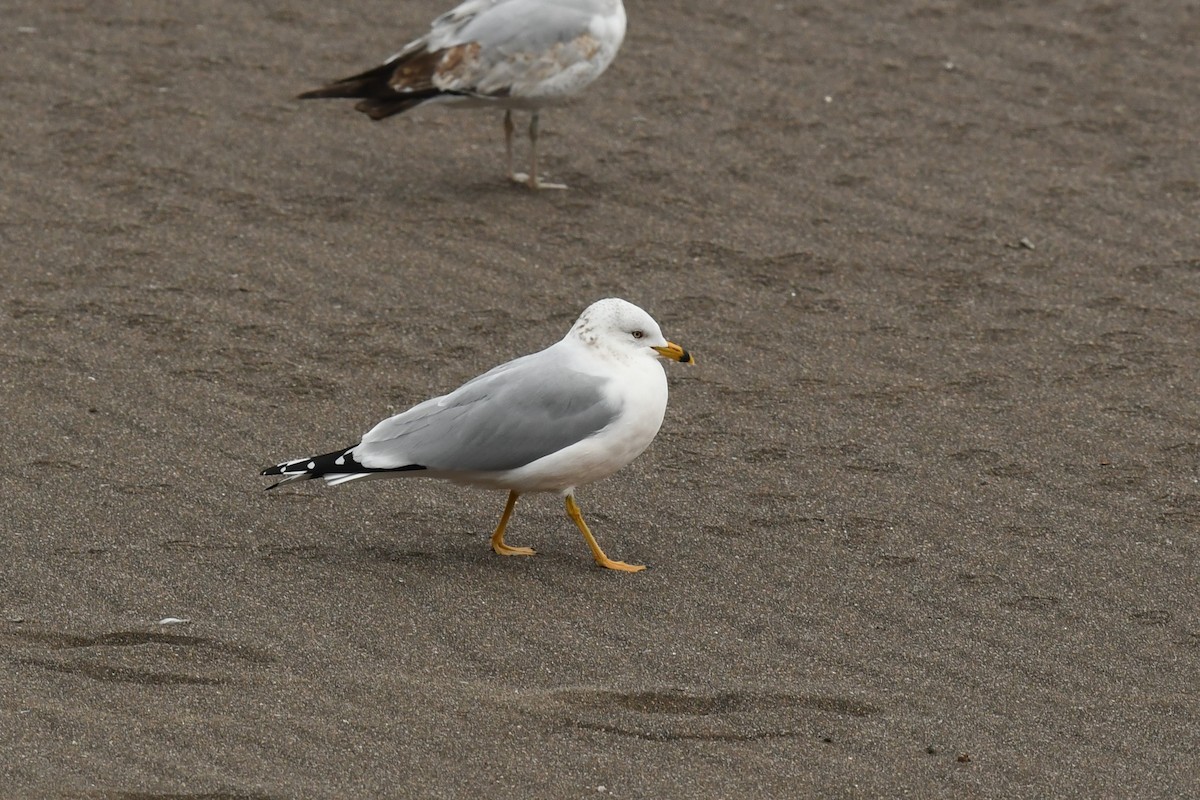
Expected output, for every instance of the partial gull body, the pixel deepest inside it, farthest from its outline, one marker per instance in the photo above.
(511, 54)
(560, 418)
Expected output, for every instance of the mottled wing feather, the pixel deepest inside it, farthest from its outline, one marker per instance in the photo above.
(474, 50)
(445, 31)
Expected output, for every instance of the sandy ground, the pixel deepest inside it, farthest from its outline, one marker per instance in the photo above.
(922, 522)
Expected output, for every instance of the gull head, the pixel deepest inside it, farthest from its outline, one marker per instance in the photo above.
(624, 329)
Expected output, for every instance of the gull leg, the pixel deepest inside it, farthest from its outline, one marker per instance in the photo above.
(598, 554)
(498, 544)
(508, 137)
(532, 180)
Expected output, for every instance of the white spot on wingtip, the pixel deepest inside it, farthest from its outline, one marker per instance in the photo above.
(311, 465)
(340, 460)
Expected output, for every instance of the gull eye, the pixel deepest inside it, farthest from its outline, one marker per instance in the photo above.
(638, 334)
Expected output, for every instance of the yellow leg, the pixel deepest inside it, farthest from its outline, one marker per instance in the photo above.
(498, 544)
(598, 554)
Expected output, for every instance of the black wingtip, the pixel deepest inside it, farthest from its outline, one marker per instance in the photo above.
(338, 462)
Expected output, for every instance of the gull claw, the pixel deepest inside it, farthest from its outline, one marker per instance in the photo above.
(534, 183)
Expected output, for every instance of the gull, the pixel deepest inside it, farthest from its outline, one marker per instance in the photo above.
(551, 421)
(511, 54)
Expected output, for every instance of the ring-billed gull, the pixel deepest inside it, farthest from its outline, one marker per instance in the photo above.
(512, 54)
(568, 415)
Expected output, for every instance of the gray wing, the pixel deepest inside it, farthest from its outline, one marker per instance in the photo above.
(529, 25)
(504, 419)
(495, 22)
(503, 48)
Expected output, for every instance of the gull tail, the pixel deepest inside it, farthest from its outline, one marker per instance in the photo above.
(337, 467)
(390, 88)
